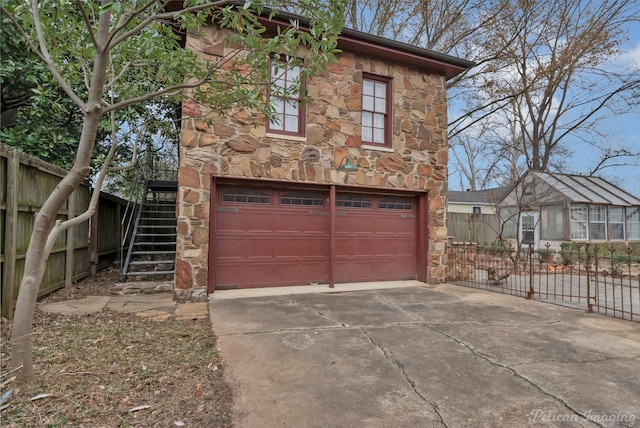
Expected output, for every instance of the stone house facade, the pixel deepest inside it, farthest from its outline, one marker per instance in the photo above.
(230, 155)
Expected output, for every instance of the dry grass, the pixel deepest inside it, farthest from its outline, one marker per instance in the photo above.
(99, 367)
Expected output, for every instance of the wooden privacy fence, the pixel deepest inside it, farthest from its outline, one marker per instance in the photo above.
(25, 184)
(467, 227)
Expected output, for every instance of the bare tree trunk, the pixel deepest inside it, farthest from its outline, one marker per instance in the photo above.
(35, 264)
(44, 233)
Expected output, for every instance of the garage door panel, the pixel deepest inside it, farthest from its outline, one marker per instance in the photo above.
(271, 243)
(280, 272)
(375, 239)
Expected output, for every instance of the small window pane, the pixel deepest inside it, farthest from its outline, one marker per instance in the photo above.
(367, 87)
(378, 121)
(617, 231)
(381, 106)
(367, 134)
(367, 119)
(381, 89)
(246, 196)
(616, 214)
(395, 204)
(294, 75)
(291, 123)
(277, 122)
(353, 201)
(598, 231)
(291, 108)
(378, 135)
(367, 103)
(301, 198)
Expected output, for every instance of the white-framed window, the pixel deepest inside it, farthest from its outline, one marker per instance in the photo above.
(616, 223)
(633, 222)
(598, 222)
(285, 98)
(579, 215)
(376, 110)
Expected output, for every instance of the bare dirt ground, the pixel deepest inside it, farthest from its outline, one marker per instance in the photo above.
(118, 370)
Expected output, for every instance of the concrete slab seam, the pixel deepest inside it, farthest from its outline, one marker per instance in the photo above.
(478, 353)
(323, 328)
(410, 381)
(398, 308)
(321, 314)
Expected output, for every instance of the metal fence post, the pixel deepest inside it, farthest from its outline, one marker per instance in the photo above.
(531, 290)
(588, 268)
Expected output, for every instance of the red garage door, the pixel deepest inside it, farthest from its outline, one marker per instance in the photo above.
(375, 238)
(267, 237)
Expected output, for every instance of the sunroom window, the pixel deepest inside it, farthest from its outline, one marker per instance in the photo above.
(579, 222)
(616, 223)
(633, 223)
(598, 220)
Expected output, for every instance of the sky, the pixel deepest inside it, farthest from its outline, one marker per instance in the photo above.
(624, 130)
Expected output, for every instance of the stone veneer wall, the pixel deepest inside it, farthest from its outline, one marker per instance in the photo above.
(231, 146)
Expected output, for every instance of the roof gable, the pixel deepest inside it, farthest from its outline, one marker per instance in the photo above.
(578, 189)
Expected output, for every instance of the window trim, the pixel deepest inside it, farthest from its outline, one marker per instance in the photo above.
(302, 110)
(388, 135)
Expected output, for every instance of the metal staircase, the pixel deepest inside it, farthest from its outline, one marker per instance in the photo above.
(152, 250)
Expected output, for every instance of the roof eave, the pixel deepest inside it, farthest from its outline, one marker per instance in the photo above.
(382, 48)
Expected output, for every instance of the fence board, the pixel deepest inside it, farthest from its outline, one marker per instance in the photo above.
(25, 184)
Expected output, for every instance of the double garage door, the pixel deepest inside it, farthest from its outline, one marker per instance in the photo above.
(267, 236)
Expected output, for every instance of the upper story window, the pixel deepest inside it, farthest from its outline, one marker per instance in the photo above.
(285, 98)
(376, 110)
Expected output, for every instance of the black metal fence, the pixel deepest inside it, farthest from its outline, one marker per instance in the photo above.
(594, 277)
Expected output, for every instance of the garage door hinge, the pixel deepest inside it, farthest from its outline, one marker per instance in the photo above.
(318, 213)
(407, 216)
(227, 210)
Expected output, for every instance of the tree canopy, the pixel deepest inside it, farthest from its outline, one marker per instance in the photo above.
(115, 59)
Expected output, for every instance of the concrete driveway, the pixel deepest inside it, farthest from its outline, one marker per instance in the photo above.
(426, 356)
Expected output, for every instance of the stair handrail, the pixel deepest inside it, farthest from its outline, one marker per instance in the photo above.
(130, 213)
(135, 232)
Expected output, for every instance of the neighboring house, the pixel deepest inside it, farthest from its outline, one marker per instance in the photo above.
(555, 208)
(347, 188)
(472, 216)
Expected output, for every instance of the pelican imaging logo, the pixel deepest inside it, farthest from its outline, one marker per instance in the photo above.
(604, 419)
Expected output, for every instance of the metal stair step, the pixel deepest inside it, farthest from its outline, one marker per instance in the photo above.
(158, 219)
(156, 234)
(152, 272)
(152, 253)
(166, 243)
(152, 262)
